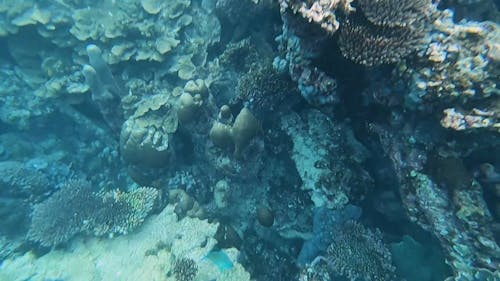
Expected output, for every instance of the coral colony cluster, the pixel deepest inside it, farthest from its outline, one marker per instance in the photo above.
(308, 140)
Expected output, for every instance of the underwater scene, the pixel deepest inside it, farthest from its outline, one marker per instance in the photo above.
(263, 140)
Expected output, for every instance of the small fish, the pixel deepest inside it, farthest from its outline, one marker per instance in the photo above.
(220, 259)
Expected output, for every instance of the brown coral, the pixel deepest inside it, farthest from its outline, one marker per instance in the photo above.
(369, 45)
(393, 13)
(384, 31)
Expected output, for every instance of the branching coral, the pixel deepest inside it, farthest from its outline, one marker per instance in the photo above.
(392, 13)
(122, 212)
(385, 31)
(359, 254)
(263, 89)
(371, 45)
(75, 208)
(64, 214)
(185, 269)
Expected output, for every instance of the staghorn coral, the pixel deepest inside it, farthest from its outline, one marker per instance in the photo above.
(359, 253)
(75, 208)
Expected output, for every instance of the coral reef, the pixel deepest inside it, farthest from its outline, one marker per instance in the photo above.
(296, 58)
(20, 180)
(458, 68)
(265, 91)
(326, 223)
(64, 214)
(166, 33)
(105, 90)
(310, 134)
(75, 208)
(147, 253)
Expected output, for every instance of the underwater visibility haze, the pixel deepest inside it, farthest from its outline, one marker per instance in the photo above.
(234, 140)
